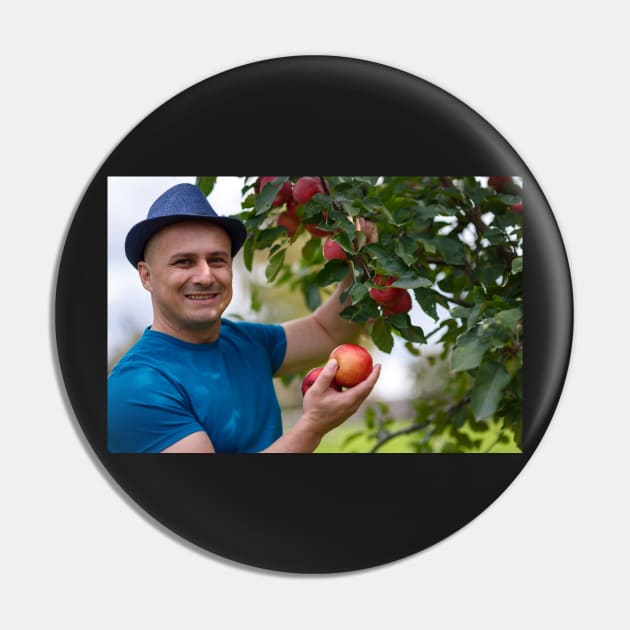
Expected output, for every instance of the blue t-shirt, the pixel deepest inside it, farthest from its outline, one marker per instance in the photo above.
(164, 389)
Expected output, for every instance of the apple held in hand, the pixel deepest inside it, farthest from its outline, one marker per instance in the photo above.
(311, 377)
(355, 364)
(333, 251)
(307, 187)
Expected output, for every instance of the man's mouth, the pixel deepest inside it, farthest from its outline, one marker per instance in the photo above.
(201, 297)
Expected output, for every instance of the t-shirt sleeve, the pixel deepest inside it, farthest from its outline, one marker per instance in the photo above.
(273, 338)
(146, 412)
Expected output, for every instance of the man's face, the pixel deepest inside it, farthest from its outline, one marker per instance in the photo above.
(188, 271)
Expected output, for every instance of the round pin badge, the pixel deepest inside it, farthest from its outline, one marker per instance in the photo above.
(196, 353)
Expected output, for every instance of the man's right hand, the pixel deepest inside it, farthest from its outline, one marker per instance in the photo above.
(325, 408)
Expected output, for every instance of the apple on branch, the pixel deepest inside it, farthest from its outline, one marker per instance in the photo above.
(333, 251)
(289, 221)
(504, 184)
(307, 187)
(402, 304)
(387, 295)
(292, 206)
(285, 192)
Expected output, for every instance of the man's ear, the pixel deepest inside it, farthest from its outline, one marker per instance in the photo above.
(145, 275)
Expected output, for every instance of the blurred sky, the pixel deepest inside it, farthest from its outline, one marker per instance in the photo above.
(129, 305)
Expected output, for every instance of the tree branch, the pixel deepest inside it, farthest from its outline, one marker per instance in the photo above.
(419, 427)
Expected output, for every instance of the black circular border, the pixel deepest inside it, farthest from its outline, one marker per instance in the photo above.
(304, 513)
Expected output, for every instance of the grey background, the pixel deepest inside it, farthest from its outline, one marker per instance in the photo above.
(553, 550)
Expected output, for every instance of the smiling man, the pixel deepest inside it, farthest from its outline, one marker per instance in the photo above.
(196, 382)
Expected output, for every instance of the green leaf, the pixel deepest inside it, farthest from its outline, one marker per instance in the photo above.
(387, 261)
(370, 417)
(206, 184)
(358, 292)
(312, 296)
(402, 323)
(490, 380)
(352, 209)
(248, 253)
(406, 249)
(476, 312)
(412, 282)
(275, 264)
(489, 273)
(400, 320)
(517, 265)
(469, 351)
(460, 312)
(508, 319)
(345, 241)
(428, 303)
(312, 250)
(350, 438)
(255, 301)
(368, 179)
(361, 312)
(404, 214)
(266, 238)
(428, 244)
(316, 206)
(268, 194)
(413, 333)
(382, 335)
(495, 236)
(451, 249)
(249, 201)
(333, 271)
(434, 210)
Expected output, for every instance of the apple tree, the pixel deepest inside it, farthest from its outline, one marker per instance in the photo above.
(451, 244)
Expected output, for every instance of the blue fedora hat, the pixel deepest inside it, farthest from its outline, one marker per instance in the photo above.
(183, 202)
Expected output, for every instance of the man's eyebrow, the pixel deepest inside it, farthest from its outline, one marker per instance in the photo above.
(183, 254)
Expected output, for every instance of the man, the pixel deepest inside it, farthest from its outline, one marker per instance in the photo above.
(198, 383)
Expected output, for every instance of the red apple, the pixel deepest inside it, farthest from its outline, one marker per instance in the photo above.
(517, 207)
(333, 251)
(287, 220)
(499, 182)
(385, 296)
(306, 187)
(285, 192)
(292, 205)
(355, 364)
(315, 231)
(401, 305)
(311, 377)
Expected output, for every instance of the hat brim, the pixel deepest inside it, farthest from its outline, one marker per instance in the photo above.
(139, 235)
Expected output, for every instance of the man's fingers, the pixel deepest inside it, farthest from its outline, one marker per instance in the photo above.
(362, 390)
(326, 376)
(370, 381)
(368, 228)
(359, 391)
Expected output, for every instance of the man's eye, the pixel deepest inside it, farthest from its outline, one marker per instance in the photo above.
(183, 261)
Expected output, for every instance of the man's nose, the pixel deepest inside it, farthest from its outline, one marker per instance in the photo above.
(204, 273)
